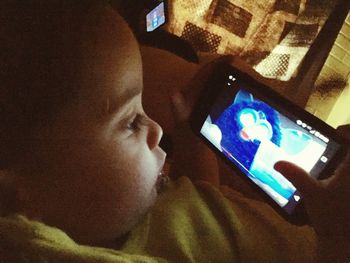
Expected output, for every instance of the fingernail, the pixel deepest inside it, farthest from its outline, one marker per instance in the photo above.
(279, 166)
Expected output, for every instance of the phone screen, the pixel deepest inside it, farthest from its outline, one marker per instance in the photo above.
(254, 135)
(155, 18)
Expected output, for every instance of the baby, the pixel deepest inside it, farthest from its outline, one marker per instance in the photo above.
(93, 164)
(78, 152)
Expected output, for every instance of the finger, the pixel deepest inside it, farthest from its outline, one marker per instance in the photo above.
(197, 83)
(209, 67)
(308, 186)
(183, 102)
(180, 107)
(341, 177)
(344, 130)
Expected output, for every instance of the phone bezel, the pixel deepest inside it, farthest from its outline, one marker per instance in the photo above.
(202, 108)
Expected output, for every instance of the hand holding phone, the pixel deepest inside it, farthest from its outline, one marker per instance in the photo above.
(326, 203)
(252, 128)
(190, 155)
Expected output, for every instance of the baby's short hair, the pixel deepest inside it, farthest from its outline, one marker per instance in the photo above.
(40, 49)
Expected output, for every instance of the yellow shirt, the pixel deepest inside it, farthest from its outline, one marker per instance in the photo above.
(188, 224)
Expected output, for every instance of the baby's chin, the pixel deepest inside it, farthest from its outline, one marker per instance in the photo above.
(161, 184)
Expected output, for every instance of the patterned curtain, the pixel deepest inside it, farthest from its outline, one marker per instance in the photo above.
(271, 35)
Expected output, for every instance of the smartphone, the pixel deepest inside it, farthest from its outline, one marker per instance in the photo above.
(156, 17)
(252, 127)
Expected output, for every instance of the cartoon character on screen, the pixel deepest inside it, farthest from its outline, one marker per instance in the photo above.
(244, 124)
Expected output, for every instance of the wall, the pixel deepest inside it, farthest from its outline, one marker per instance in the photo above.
(340, 113)
(330, 98)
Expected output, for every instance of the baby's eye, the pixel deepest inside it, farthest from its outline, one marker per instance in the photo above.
(136, 123)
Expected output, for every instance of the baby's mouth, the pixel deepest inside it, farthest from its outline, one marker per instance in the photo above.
(162, 182)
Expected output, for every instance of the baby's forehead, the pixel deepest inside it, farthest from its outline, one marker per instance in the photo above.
(114, 72)
(111, 32)
(119, 102)
(111, 58)
(109, 42)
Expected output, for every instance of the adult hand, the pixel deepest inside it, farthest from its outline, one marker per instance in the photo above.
(184, 100)
(191, 157)
(327, 204)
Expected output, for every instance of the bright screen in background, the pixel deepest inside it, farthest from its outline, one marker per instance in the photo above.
(155, 18)
(254, 136)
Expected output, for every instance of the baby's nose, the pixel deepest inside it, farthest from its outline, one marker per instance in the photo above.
(154, 135)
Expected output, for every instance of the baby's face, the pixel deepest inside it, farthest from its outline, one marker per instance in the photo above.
(100, 160)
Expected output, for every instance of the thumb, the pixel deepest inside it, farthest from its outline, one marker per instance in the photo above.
(307, 185)
(180, 107)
